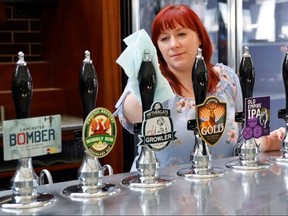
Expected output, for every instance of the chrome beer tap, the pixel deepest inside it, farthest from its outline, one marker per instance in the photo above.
(247, 149)
(25, 181)
(200, 157)
(91, 172)
(147, 163)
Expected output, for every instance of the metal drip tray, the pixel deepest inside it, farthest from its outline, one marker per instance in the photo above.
(251, 165)
(40, 200)
(76, 191)
(136, 183)
(190, 173)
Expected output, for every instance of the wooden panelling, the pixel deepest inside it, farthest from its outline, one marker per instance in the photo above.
(41, 73)
(44, 102)
(69, 30)
(110, 75)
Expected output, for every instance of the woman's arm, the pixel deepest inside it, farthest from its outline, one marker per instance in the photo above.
(132, 109)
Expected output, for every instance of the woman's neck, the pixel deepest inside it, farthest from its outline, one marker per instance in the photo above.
(185, 78)
(188, 92)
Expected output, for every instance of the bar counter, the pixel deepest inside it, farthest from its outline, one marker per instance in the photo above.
(262, 192)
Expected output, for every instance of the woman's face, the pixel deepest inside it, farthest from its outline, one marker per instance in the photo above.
(179, 47)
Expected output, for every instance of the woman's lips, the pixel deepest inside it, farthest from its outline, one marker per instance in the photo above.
(176, 55)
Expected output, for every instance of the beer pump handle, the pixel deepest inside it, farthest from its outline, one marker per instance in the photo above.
(285, 77)
(247, 78)
(199, 78)
(22, 88)
(147, 82)
(88, 85)
(147, 85)
(282, 113)
(246, 75)
(200, 84)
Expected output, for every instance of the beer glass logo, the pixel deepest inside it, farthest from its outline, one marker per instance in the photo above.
(211, 120)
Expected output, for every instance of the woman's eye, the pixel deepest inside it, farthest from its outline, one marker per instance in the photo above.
(163, 39)
(181, 34)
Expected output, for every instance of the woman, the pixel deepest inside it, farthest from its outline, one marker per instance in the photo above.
(177, 33)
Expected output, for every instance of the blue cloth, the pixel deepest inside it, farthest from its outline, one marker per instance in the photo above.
(131, 58)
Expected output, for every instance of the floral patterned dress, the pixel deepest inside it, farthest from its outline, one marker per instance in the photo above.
(182, 109)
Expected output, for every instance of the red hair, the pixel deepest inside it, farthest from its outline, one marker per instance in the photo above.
(186, 17)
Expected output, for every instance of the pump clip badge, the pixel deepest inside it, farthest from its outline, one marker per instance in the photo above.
(257, 117)
(211, 120)
(99, 132)
(157, 128)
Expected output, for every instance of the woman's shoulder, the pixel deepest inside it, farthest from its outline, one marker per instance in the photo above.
(224, 71)
(226, 74)
(227, 78)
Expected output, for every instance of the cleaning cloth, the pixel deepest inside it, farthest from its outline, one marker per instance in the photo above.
(131, 58)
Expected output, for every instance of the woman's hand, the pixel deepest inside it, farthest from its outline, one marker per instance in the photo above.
(272, 142)
(132, 109)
